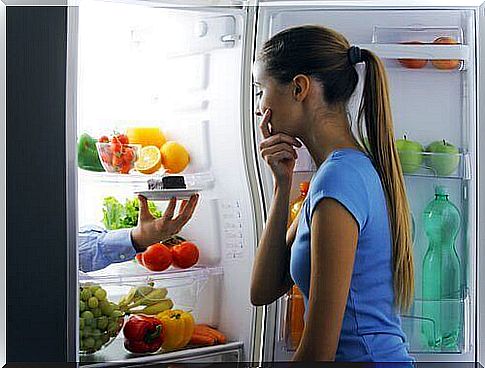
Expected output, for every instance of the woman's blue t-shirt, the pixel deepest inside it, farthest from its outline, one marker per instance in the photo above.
(371, 329)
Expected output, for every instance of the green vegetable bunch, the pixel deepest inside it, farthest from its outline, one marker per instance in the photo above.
(119, 216)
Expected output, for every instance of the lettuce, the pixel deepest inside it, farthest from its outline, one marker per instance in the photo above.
(119, 216)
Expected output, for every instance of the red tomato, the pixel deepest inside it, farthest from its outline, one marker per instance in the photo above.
(139, 258)
(123, 138)
(125, 168)
(185, 254)
(157, 257)
(103, 139)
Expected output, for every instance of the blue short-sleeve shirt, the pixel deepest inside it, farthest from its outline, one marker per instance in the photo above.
(371, 329)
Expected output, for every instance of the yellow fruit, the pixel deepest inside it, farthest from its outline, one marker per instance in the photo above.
(146, 136)
(175, 157)
(150, 160)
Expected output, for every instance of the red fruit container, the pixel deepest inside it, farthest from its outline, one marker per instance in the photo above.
(118, 158)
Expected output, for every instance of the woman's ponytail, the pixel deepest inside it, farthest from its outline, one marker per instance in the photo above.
(375, 109)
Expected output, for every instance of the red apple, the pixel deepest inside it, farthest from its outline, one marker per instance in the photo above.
(445, 63)
(413, 63)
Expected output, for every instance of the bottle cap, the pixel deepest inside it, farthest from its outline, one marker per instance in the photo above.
(304, 185)
(441, 190)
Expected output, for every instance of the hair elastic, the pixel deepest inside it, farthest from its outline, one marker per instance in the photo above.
(355, 55)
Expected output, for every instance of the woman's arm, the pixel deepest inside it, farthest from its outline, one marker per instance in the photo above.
(271, 271)
(334, 235)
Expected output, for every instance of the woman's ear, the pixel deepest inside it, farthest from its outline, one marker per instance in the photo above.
(301, 87)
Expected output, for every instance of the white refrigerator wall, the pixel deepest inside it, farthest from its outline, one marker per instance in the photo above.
(179, 70)
(427, 105)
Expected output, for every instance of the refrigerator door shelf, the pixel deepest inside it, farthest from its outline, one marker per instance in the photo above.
(423, 331)
(418, 33)
(230, 352)
(131, 273)
(425, 51)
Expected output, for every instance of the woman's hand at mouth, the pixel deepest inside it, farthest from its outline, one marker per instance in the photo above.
(278, 151)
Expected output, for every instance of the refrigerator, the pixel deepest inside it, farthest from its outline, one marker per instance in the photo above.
(101, 67)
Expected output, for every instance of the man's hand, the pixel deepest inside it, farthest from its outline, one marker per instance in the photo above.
(151, 230)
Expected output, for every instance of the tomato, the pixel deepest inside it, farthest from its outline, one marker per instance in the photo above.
(123, 138)
(103, 139)
(139, 258)
(157, 257)
(185, 254)
(125, 167)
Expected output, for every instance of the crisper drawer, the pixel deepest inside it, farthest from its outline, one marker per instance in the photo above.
(107, 301)
(438, 326)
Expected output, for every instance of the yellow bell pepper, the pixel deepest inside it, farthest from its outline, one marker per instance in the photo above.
(178, 326)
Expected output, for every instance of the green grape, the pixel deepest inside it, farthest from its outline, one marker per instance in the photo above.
(112, 327)
(85, 295)
(100, 294)
(106, 308)
(94, 288)
(82, 306)
(82, 347)
(88, 330)
(87, 315)
(81, 332)
(96, 312)
(116, 313)
(103, 323)
(93, 302)
(81, 323)
(89, 343)
(96, 332)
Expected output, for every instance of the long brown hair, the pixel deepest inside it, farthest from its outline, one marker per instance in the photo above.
(322, 53)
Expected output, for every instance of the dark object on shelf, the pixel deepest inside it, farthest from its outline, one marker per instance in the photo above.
(167, 182)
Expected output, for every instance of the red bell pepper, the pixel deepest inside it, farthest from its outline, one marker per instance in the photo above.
(143, 334)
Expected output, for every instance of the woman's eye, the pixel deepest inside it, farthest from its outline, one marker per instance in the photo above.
(259, 94)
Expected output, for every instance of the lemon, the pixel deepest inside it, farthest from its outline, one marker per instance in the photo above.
(175, 157)
(146, 136)
(150, 160)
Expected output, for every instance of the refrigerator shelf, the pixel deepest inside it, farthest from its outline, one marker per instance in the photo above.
(437, 165)
(116, 353)
(131, 273)
(423, 331)
(203, 180)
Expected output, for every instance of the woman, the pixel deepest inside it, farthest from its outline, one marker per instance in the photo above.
(349, 251)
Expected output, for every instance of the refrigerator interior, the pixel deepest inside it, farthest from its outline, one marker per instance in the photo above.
(178, 69)
(428, 105)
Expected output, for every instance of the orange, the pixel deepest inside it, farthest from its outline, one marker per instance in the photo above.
(146, 136)
(175, 157)
(150, 160)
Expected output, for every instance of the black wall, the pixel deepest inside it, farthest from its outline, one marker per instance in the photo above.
(36, 190)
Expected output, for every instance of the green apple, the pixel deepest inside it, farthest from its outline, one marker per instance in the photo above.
(446, 157)
(410, 155)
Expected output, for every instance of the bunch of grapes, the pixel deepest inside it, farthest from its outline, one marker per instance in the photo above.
(100, 320)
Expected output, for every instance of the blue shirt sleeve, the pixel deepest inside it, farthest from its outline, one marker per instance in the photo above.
(99, 248)
(344, 184)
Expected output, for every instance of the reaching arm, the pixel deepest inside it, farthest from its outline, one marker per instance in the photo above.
(334, 235)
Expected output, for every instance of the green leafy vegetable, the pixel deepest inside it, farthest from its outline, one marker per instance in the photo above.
(119, 216)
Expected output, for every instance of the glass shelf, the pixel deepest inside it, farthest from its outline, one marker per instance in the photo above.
(204, 180)
(425, 322)
(229, 352)
(436, 165)
(131, 273)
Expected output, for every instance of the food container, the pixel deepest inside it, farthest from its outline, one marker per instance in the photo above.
(117, 157)
(95, 334)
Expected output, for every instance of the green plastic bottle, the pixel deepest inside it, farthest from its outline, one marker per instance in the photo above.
(442, 314)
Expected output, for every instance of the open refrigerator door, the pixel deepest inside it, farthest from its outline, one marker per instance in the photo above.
(161, 72)
(430, 58)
